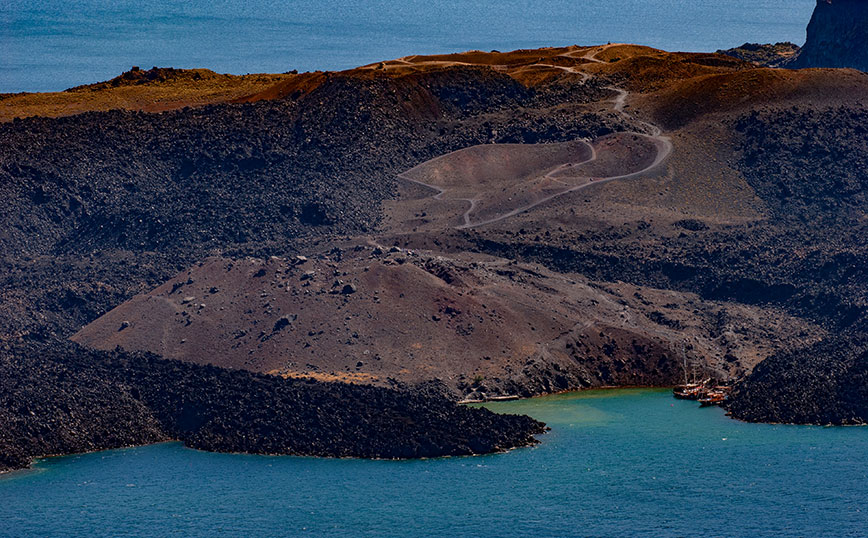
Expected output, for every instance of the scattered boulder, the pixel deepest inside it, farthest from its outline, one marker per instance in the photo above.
(692, 225)
(283, 322)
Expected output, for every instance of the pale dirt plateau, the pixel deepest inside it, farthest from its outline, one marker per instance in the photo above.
(484, 326)
(499, 181)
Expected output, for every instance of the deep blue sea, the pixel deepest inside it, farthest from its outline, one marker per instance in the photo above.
(616, 463)
(55, 44)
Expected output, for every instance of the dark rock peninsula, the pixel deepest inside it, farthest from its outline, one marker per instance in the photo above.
(824, 384)
(63, 399)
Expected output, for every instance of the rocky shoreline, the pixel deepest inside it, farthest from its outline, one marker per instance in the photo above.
(825, 384)
(82, 400)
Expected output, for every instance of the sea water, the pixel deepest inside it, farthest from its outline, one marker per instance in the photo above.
(616, 463)
(50, 45)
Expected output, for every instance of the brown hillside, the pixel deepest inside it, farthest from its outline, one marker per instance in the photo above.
(161, 89)
(154, 90)
(684, 102)
(478, 323)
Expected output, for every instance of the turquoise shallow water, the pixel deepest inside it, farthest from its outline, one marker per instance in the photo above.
(616, 463)
(53, 44)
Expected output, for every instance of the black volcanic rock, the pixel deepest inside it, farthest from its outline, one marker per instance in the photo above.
(226, 175)
(823, 384)
(59, 398)
(98, 207)
(807, 163)
(837, 36)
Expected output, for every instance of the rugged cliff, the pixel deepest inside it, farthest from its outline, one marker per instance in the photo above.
(837, 36)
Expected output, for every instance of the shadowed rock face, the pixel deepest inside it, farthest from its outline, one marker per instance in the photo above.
(837, 36)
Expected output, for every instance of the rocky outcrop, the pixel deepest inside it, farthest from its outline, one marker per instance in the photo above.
(137, 76)
(823, 384)
(58, 398)
(766, 55)
(837, 36)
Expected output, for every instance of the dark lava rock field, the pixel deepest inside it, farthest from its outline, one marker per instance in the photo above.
(67, 399)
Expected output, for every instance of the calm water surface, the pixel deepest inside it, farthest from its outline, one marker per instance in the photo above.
(616, 463)
(54, 44)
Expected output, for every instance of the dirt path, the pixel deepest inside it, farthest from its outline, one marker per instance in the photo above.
(468, 224)
(585, 76)
(663, 145)
(441, 192)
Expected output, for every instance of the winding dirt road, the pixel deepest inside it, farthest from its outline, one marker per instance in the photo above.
(662, 143)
